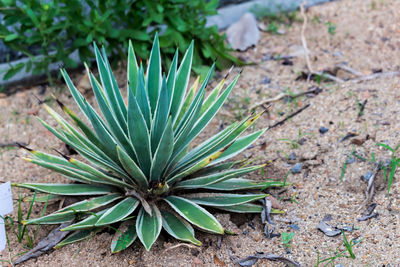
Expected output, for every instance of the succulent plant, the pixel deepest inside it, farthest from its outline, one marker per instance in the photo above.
(138, 171)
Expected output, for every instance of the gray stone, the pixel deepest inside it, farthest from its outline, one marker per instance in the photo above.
(296, 168)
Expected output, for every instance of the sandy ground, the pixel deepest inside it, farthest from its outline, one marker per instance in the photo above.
(367, 37)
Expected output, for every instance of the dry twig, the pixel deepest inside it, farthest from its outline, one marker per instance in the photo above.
(376, 76)
(348, 69)
(303, 38)
(288, 117)
(182, 245)
(307, 51)
(315, 90)
(369, 193)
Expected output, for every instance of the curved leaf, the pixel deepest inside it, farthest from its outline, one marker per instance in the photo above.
(196, 166)
(248, 208)
(109, 89)
(118, 212)
(171, 78)
(68, 189)
(153, 74)
(101, 175)
(218, 199)
(239, 145)
(242, 184)
(54, 218)
(139, 134)
(132, 72)
(202, 182)
(178, 228)
(160, 117)
(148, 227)
(74, 174)
(214, 169)
(163, 152)
(132, 168)
(189, 98)
(195, 214)
(182, 79)
(76, 237)
(91, 204)
(88, 222)
(243, 208)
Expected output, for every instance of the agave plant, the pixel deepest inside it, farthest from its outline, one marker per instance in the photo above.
(137, 169)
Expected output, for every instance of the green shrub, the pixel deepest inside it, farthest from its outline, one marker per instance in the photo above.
(60, 27)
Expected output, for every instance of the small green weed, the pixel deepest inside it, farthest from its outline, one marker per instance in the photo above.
(353, 155)
(393, 164)
(286, 238)
(272, 27)
(274, 19)
(331, 28)
(295, 143)
(18, 228)
(340, 254)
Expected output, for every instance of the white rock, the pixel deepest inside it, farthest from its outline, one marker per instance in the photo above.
(243, 33)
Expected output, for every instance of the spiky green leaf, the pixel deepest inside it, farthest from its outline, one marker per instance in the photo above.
(54, 218)
(118, 212)
(153, 73)
(76, 237)
(68, 189)
(89, 222)
(195, 214)
(223, 199)
(242, 184)
(148, 227)
(247, 208)
(178, 228)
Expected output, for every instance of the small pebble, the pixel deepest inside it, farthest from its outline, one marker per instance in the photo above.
(350, 160)
(266, 80)
(323, 130)
(368, 175)
(302, 141)
(337, 53)
(294, 226)
(327, 218)
(296, 168)
(292, 156)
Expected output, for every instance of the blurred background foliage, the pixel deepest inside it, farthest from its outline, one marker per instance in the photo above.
(55, 29)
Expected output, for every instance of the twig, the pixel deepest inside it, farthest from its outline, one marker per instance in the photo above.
(348, 69)
(288, 117)
(376, 76)
(269, 100)
(328, 76)
(303, 38)
(13, 144)
(182, 245)
(361, 108)
(369, 193)
(315, 90)
(307, 51)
